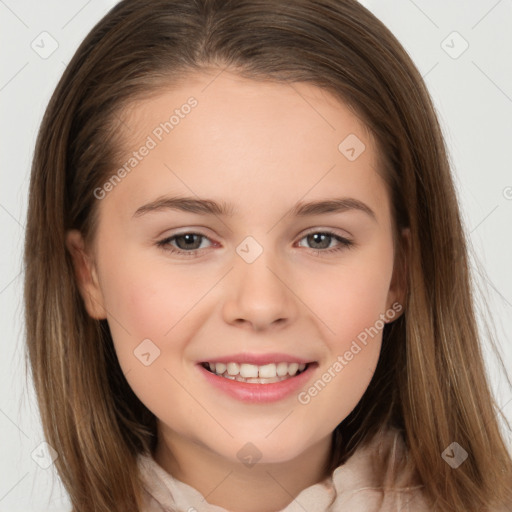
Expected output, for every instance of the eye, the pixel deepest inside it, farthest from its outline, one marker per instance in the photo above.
(185, 242)
(189, 244)
(321, 240)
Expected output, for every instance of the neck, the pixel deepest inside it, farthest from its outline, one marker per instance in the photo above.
(266, 486)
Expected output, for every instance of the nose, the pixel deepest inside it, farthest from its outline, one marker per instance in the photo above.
(260, 294)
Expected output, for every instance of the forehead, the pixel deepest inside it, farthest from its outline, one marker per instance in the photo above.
(221, 135)
(228, 109)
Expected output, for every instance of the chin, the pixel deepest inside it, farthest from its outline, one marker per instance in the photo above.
(270, 450)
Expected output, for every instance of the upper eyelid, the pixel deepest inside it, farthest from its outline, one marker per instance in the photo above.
(308, 231)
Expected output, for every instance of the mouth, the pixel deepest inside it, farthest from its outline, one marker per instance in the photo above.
(263, 383)
(257, 374)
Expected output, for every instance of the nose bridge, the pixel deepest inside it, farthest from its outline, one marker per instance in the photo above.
(260, 294)
(257, 265)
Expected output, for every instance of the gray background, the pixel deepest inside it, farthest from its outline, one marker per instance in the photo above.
(472, 92)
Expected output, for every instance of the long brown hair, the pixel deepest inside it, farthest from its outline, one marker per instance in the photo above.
(430, 381)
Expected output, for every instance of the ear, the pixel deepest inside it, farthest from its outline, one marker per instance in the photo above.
(398, 286)
(86, 275)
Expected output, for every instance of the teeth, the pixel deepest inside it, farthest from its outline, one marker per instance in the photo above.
(249, 370)
(282, 369)
(293, 368)
(267, 371)
(252, 373)
(233, 369)
(219, 367)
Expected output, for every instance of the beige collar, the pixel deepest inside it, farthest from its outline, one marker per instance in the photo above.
(351, 488)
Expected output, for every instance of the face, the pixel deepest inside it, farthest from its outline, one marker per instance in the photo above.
(262, 279)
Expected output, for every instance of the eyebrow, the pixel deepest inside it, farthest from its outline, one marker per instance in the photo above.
(211, 207)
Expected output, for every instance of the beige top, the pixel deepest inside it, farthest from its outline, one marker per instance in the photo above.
(348, 489)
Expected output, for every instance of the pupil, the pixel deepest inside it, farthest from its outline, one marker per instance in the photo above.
(189, 238)
(315, 235)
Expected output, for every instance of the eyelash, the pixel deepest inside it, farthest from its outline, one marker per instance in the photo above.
(164, 244)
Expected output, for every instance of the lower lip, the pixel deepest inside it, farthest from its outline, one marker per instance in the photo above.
(259, 393)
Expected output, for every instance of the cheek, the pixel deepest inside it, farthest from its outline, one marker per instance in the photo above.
(353, 352)
(350, 297)
(149, 302)
(349, 300)
(362, 299)
(145, 299)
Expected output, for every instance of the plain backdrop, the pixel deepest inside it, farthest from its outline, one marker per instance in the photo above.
(462, 49)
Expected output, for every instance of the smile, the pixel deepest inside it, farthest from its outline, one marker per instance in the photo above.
(251, 373)
(266, 383)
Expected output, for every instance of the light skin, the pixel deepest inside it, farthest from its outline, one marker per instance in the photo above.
(262, 147)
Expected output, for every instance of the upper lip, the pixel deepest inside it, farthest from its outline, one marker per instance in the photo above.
(258, 359)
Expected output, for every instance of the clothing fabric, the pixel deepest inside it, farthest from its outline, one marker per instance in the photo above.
(350, 488)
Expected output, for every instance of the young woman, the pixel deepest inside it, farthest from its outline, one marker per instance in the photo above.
(247, 284)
